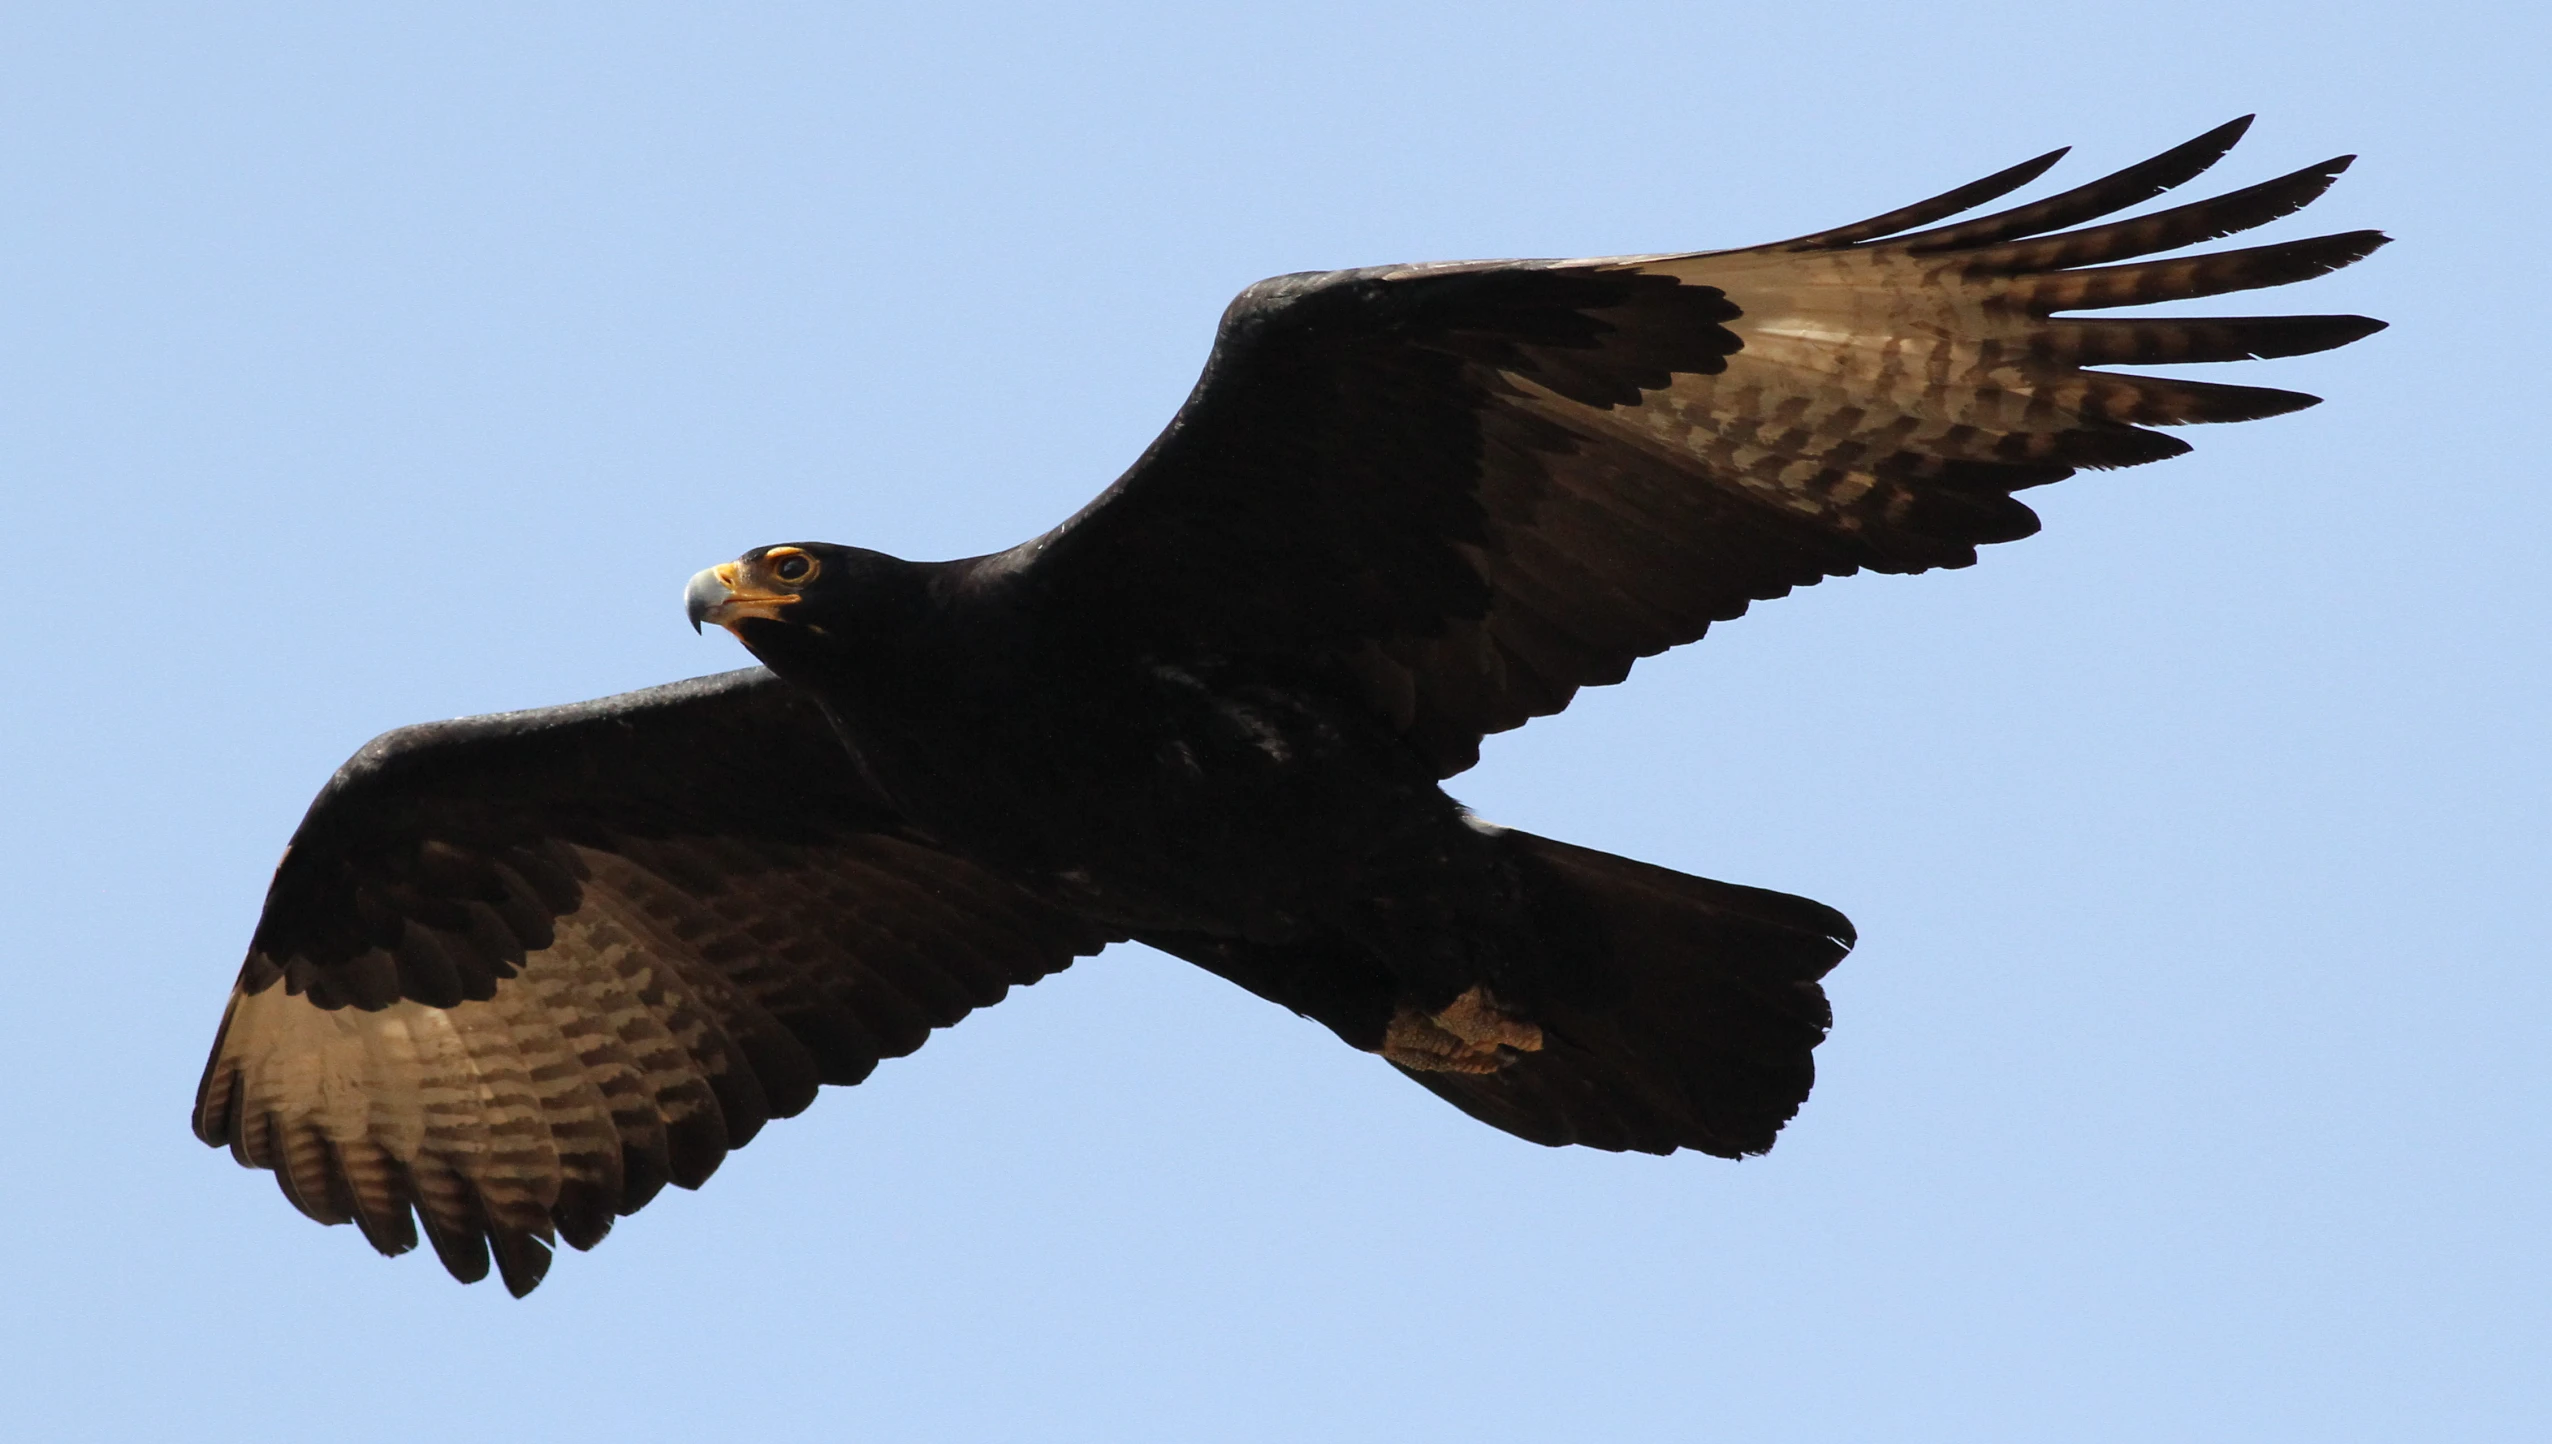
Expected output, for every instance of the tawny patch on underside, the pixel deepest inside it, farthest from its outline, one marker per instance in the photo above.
(1465, 1037)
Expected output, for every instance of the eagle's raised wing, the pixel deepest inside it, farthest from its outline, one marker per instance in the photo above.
(1478, 487)
(516, 973)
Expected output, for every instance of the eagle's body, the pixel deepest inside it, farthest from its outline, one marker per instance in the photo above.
(1250, 814)
(518, 972)
(1237, 796)
(1173, 792)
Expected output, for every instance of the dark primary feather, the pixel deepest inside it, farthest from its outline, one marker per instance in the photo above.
(519, 972)
(2206, 220)
(2113, 192)
(1478, 487)
(1922, 213)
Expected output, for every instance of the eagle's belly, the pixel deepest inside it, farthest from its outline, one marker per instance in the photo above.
(1193, 800)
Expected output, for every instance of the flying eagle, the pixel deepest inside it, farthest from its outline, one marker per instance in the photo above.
(516, 973)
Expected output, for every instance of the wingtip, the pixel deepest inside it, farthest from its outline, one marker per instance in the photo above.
(522, 1260)
(2012, 177)
(2338, 331)
(2356, 245)
(2211, 145)
(2037, 166)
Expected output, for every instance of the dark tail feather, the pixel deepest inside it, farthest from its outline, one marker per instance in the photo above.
(1677, 1012)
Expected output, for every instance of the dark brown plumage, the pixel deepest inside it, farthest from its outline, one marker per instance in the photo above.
(516, 973)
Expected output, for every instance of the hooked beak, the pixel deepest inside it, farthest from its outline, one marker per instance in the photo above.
(720, 595)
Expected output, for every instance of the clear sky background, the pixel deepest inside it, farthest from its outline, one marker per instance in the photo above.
(367, 364)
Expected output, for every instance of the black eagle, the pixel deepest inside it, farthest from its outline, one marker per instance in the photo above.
(517, 973)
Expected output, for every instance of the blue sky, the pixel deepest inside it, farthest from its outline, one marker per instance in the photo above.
(371, 364)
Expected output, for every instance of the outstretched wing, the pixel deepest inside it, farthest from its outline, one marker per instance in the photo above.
(516, 973)
(1478, 487)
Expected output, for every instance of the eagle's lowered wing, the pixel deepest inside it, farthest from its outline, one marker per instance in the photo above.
(516, 973)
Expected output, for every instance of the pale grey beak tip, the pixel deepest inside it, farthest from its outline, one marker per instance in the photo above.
(704, 592)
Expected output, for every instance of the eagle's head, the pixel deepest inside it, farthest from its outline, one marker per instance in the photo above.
(796, 603)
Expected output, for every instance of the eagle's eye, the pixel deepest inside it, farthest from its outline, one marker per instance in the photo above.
(791, 565)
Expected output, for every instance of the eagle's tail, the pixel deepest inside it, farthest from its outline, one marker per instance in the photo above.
(1675, 1012)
